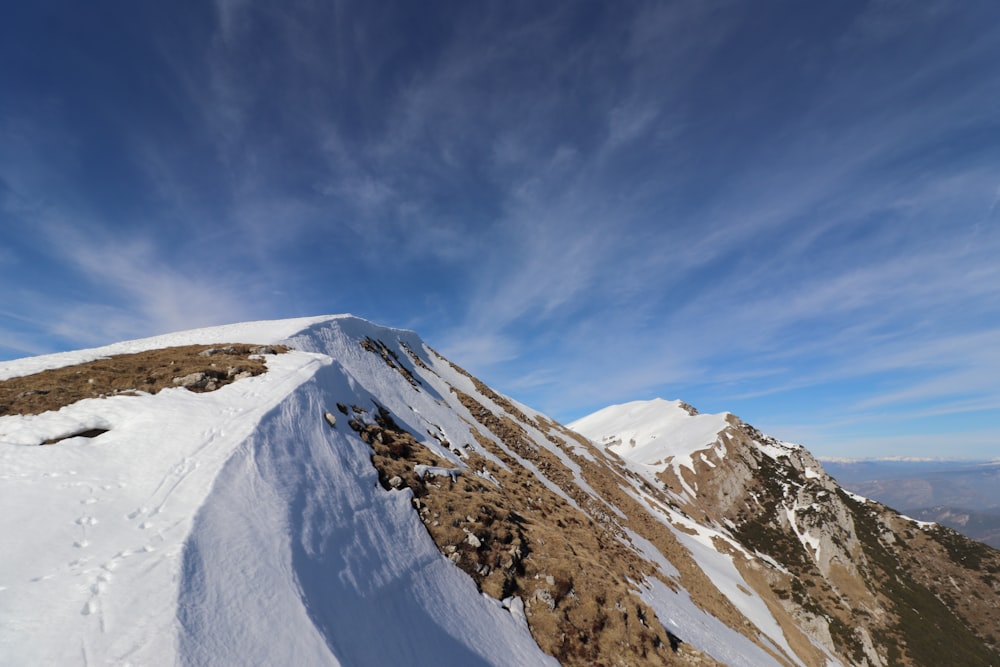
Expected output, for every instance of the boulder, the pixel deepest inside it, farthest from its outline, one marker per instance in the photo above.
(192, 381)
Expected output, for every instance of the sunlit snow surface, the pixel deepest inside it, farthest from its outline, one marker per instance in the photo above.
(656, 435)
(239, 527)
(236, 526)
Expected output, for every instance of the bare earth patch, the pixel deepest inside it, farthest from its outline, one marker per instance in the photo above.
(517, 538)
(198, 368)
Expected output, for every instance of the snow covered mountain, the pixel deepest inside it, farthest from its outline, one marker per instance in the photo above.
(325, 491)
(868, 584)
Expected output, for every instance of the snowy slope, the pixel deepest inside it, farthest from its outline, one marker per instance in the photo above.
(652, 432)
(654, 435)
(359, 503)
(745, 503)
(200, 525)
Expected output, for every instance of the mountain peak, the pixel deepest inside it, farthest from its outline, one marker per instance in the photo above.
(356, 498)
(651, 431)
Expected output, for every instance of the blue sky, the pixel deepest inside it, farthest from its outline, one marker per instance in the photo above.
(786, 210)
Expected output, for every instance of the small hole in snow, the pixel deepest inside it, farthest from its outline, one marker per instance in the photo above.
(89, 433)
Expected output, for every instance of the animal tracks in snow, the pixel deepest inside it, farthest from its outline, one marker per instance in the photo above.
(97, 589)
(101, 579)
(138, 512)
(174, 478)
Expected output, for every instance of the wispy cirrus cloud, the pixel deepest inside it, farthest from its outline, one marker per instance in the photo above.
(168, 297)
(772, 212)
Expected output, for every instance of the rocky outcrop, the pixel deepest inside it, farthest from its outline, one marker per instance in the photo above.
(700, 541)
(868, 584)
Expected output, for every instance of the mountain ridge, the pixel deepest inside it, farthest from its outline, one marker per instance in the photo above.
(377, 502)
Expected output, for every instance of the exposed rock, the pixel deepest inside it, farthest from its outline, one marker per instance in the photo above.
(34, 392)
(390, 358)
(543, 596)
(436, 471)
(218, 350)
(578, 535)
(197, 380)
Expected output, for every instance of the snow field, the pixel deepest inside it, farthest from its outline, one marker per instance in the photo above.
(656, 433)
(100, 523)
(652, 436)
(203, 526)
(347, 562)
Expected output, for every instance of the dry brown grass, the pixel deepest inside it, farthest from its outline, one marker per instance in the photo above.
(518, 537)
(390, 358)
(147, 372)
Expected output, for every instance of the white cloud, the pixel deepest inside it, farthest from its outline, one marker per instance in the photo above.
(472, 350)
(142, 293)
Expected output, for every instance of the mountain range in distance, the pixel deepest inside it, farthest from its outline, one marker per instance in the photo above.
(326, 491)
(960, 494)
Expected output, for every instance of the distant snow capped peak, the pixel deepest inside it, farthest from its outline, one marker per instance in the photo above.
(896, 459)
(651, 432)
(325, 491)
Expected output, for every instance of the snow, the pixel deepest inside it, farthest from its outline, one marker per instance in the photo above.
(436, 471)
(263, 332)
(657, 433)
(579, 479)
(652, 431)
(467, 386)
(904, 459)
(810, 542)
(701, 542)
(355, 564)
(723, 573)
(686, 620)
(202, 526)
(860, 499)
(773, 563)
(778, 450)
(649, 552)
(920, 524)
